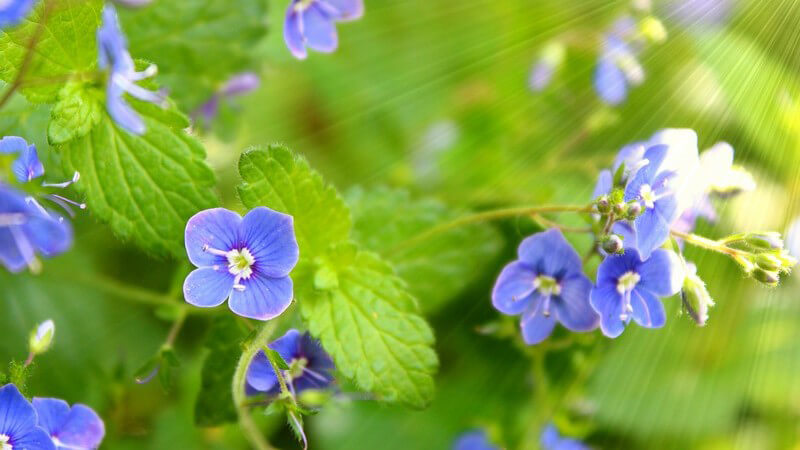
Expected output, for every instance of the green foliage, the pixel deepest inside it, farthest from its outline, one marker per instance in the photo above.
(66, 47)
(197, 44)
(76, 111)
(146, 187)
(435, 270)
(350, 298)
(215, 400)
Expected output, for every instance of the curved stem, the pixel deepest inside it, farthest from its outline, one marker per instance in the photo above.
(708, 244)
(486, 216)
(249, 427)
(547, 223)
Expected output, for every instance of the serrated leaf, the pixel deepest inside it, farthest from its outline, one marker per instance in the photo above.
(437, 269)
(277, 178)
(370, 327)
(146, 187)
(74, 114)
(66, 46)
(214, 405)
(197, 44)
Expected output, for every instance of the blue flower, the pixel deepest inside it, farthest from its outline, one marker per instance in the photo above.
(27, 166)
(309, 365)
(248, 260)
(551, 440)
(616, 69)
(78, 427)
(113, 54)
(18, 429)
(237, 85)
(13, 11)
(27, 229)
(628, 287)
(474, 440)
(310, 23)
(545, 285)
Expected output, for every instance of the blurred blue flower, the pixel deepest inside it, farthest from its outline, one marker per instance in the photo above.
(13, 11)
(628, 287)
(18, 429)
(248, 260)
(113, 54)
(616, 69)
(474, 440)
(27, 229)
(237, 85)
(551, 57)
(551, 440)
(698, 13)
(545, 285)
(309, 365)
(311, 23)
(75, 428)
(27, 165)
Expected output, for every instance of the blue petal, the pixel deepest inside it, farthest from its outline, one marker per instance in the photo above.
(536, 327)
(14, 11)
(269, 235)
(610, 82)
(83, 428)
(52, 413)
(28, 166)
(206, 287)
(608, 303)
(647, 309)
(121, 112)
(614, 266)
(550, 437)
(473, 440)
(260, 374)
(293, 34)
(344, 9)
(10, 254)
(604, 184)
(13, 144)
(513, 289)
(49, 236)
(18, 421)
(263, 298)
(652, 227)
(318, 359)
(288, 345)
(319, 30)
(662, 273)
(549, 253)
(646, 175)
(217, 228)
(572, 306)
(34, 439)
(627, 233)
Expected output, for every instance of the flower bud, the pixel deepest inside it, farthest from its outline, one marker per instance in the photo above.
(612, 244)
(42, 337)
(767, 241)
(619, 209)
(694, 296)
(634, 210)
(603, 206)
(768, 262)
(769, 278)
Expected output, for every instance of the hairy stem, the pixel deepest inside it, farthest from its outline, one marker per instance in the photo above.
(484, 216)
(708, 244)
(249, 427)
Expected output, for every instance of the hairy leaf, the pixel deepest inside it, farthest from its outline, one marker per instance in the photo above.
(74, 114)
(64, 34)
(146, 187)
(384, 220)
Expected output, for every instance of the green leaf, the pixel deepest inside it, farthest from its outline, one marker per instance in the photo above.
(437, 269)
(65, 46)
(276, 178)
(197, 44)
(275, 358)
(214, 404)
(146, 187)
(369, 325)
(351, 299)
(74, 114)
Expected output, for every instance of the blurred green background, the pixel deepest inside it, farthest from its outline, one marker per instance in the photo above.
(433, 97)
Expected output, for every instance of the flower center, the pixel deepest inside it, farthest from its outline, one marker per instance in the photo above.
(627, 282)
(240, 263)
(296, 368)
(547, 285)
(648, 196)
(4, 445)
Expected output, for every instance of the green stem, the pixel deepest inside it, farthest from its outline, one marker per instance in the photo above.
(249, 427)
(486, 216)
(708, 244)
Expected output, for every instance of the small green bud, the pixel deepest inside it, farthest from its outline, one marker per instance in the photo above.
(612, 244)
(695, 297)
(766, 241)
(314, 398)
(619, 209)
(768, 262)
(769, 278)
(634, 210)
(603, 206)
(42, 337)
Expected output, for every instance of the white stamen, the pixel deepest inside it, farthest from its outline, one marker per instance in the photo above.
(240, 263)
(208, 249)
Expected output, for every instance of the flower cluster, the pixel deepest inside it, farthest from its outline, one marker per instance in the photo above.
(46, 423)
(655, 189)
